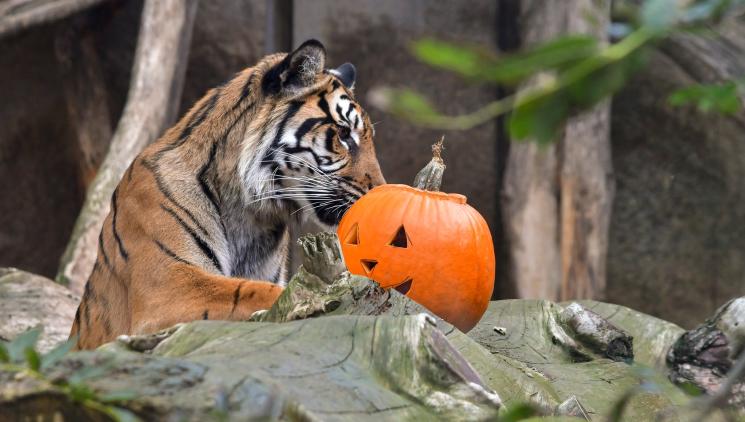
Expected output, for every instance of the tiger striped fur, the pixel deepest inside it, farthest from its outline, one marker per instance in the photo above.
(201, 216)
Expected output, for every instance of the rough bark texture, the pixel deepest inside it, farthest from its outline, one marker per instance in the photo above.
(323, 286)
(677, 241)
(704, 356)
(556, 199)
(532, 356)
(17, 15)
(28, 301)
(398, 367)
(152, 104)
(377, 356)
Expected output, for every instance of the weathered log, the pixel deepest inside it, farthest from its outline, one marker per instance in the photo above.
(366, 368)
(372, 359)
(152, 104)
(597, 333)
(323, 286)
(556, 199)
(525, 360)
(705, 357)
(18, 15)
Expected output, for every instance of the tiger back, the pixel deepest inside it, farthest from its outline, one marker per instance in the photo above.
(199, 223)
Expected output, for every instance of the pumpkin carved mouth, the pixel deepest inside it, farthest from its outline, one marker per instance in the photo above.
(404, 287)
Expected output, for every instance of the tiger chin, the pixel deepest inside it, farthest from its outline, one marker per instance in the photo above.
(198, 227)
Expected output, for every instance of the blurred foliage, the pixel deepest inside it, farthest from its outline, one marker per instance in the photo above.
(567, 75)
(722, 98)
(20, 356)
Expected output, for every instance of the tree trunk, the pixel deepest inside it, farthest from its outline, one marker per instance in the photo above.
(557, 199)
(152, 104)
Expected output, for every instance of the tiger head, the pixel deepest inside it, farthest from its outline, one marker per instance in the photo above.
(317, 155)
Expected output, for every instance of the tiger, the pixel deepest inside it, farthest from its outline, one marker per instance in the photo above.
(199, 225)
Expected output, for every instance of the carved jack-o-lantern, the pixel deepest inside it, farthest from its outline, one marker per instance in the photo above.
(428, 245)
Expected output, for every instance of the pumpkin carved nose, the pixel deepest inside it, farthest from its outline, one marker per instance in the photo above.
(368, 265)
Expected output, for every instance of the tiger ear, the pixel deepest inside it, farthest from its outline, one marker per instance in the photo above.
(298, 69)
(346, 74)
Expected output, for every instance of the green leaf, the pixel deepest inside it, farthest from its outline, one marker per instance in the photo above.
(80, 392)
(540, 118)
(723, 98)
(32, 358)
(4, 355)
(691, 389)
(483, 65)
(404, 103)
(457, 58)
(590, 90)
(57, 353)
(518, 412)
(17, 347)
(118, 396)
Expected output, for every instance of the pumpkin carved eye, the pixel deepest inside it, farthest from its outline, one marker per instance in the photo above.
(353, 237)
(401, 239)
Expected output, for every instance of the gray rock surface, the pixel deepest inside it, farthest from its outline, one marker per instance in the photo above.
(28, 301)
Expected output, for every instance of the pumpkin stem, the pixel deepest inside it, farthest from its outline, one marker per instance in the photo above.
(430, 177)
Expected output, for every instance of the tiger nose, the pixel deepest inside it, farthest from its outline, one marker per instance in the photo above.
(375, 177)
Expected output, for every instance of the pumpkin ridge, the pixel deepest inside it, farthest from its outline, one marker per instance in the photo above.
(452, 197)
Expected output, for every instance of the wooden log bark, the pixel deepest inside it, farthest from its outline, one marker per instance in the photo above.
(556, 199)
(377, 354)
(323, 286)
(712, 356)
(534, 356)
(18, 15)
(371, 367)
(152, 104)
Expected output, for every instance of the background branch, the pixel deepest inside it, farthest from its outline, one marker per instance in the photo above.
(17, 15)
(152, 104)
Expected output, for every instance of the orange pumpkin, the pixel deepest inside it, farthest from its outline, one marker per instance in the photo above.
(429, 245)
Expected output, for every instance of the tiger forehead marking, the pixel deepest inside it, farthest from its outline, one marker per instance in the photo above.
(199, 226)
